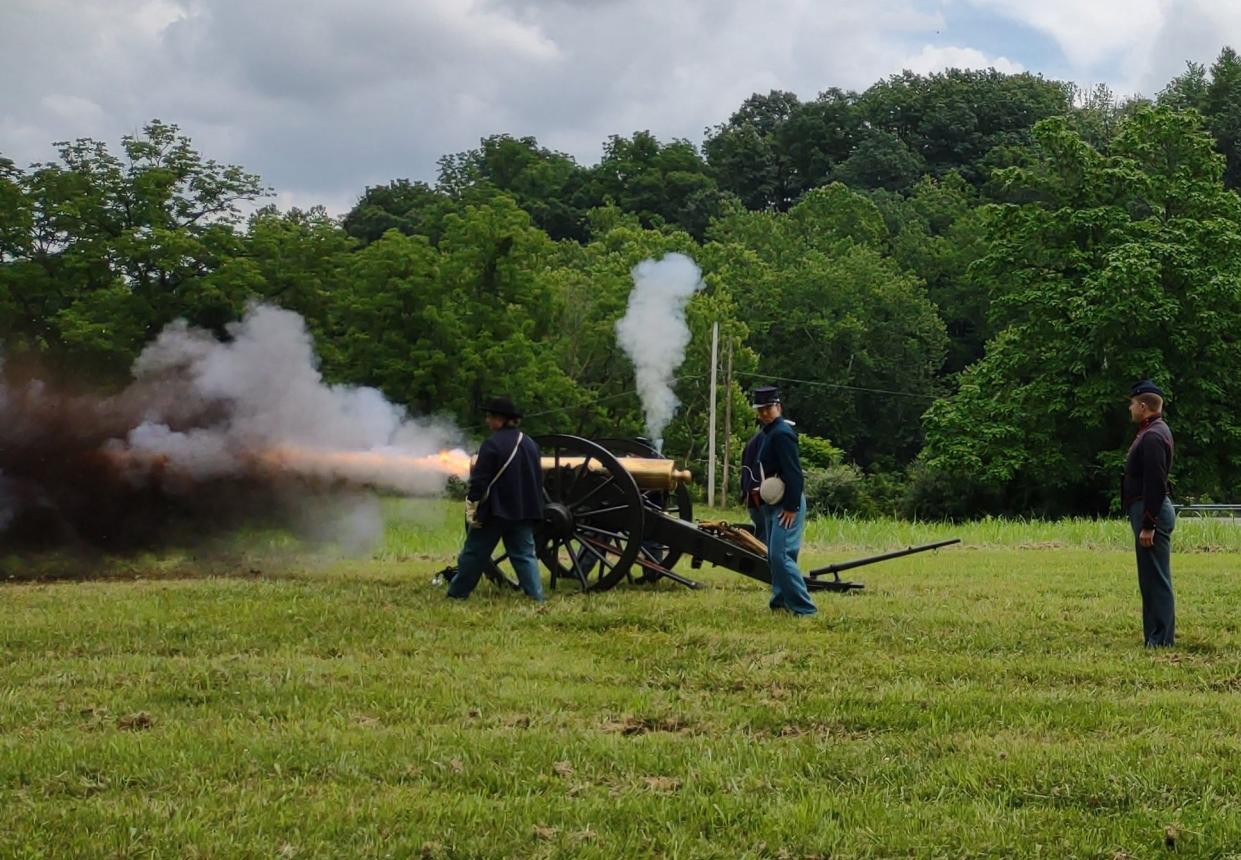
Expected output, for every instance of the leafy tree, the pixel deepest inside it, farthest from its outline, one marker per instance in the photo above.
(412, 208)
(1216, 94)
(491, 257)
(952, 119)
(745, 153)
(296, 259)
(775, 148)
(838, 321)
(1097, 114)
(663, 184)
(1188, 90)
(1127, 265)
(937, 233)
(1219, 100)
(880, 160)
(548, 185)
(101, 251)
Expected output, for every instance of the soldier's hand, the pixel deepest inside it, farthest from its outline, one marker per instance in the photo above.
(1146, 537)
(787, 518)
(471, 514)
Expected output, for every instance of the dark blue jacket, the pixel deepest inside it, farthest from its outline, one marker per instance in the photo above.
(1146, 469)
(749, 467)
(779, 456)
(518, 494)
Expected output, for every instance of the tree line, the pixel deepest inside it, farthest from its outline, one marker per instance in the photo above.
(954, 277)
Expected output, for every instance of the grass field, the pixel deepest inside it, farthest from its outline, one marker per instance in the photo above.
(985, 700)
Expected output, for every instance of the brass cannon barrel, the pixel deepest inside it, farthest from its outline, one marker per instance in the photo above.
(648, 473)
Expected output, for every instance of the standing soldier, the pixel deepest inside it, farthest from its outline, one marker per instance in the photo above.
(504, 501)
(1145, 498)
(783, 503)
(750, 480)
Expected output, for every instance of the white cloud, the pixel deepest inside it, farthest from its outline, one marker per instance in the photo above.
(1087, 31)
(934, 58)
(1135, 46)
(322, 98)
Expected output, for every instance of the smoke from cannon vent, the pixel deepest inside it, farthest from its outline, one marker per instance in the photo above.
(210, 436)
(654, 334)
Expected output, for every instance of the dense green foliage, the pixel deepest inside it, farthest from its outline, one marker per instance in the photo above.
(1005, 251)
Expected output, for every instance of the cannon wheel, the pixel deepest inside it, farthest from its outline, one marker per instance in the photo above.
(588, 514)
(676, 504)
(500, 576)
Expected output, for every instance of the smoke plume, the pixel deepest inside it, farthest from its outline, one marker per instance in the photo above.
(210, 435)
(654, 334)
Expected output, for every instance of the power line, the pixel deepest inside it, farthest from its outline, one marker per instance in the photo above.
(766, 376)
(837, 385)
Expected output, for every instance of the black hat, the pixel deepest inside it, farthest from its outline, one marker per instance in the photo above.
(765, 395)
(502, 405)
(1145, 386)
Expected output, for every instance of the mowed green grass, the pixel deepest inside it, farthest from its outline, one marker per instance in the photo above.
(985, 700)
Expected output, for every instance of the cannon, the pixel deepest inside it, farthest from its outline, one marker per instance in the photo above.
(617, 511)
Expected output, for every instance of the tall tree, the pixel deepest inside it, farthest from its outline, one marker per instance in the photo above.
(663, 184)
(411, 208)
(549, 185)
(774, 148)
(1217, 96)
(1126, 265)
(108, 249)
(854, 335)
(937, 233)
(952, 119)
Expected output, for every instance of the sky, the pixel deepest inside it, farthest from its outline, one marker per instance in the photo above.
(323, 98)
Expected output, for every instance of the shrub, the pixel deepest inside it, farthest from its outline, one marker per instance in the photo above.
(835, 490)
(818, 453)
(937, 495)
(456, 488)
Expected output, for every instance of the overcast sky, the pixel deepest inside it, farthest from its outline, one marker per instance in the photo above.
(325, 97)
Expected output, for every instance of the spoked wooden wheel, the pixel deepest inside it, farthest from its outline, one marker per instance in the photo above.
(674, 503)
(592, 521)
(502, 577)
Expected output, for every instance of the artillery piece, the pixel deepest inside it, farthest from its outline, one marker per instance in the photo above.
(617, 510)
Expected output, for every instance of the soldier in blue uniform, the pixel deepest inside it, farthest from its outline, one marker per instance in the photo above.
(1145, 498)
(503, 503)
(750, 481)
(784, 512)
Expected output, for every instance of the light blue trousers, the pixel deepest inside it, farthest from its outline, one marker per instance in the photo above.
(788, 586)
(759, 518)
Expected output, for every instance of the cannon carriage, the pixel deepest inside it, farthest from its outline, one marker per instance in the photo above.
(616, 511)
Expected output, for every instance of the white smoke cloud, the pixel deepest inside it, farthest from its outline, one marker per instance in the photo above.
(654, 334)
(270, 402)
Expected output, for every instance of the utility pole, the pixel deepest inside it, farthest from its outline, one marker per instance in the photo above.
(728, 423)
(715, 345)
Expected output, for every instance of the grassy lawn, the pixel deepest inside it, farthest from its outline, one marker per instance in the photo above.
(985, 700)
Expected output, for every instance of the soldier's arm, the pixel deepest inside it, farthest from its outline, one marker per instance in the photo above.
(790, 470)
(483, 471)
(1154, 454)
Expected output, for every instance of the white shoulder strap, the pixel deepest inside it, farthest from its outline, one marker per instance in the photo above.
(516, 448)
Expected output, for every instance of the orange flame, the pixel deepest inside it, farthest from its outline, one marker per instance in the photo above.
(389, 469)
(382, 466)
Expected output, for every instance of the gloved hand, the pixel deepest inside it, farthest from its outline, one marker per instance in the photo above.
(471, 514)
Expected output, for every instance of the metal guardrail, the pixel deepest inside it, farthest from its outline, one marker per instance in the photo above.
(1200, 510)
